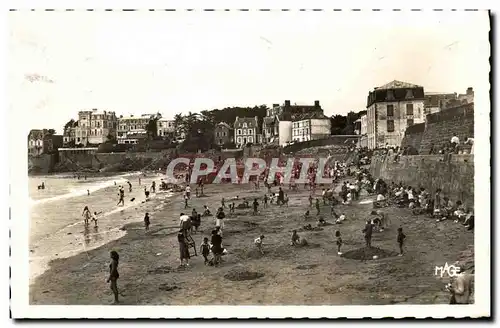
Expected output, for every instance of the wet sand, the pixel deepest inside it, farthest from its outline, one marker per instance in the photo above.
(284, 275)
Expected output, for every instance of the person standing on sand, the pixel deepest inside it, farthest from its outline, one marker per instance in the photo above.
(183, 249)
(266, 199)
(146, 221)
(401, 239)
(205, 250)
(317, 206)
(186, 198)
(310, 200)
(368, 230)
(153, 187)
(255, 207)
(220, 216)
(188, 191)
(216, 246)
(139, 181)
(113, 274)
(339, 242)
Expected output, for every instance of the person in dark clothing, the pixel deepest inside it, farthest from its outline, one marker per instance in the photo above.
(266, 199)
(113, 274)
(281, 197)
(205, 249)
(317, 206)
(255, 206)
(146, 221)
(183, 248)
(368, 231)
(401, 239)
(216, 246)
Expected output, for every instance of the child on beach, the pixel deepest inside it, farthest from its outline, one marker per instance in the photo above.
(339, 242)
(401, 239)
(94, 218)
(205, 250)
(317, 206)
(266, 199)
(146, 192)
(340, 219)
(231, 208)
(258, 243)
(146, 221)
(186, 198)
(86, 215)
(223, 203)
(113, 274)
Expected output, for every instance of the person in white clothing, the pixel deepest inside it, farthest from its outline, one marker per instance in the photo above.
(258, 243)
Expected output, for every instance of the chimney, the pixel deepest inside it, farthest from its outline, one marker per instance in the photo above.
(287, 103)
(470, 91)
(316, 104)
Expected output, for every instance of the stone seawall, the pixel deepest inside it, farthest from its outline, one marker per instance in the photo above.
(455, 176)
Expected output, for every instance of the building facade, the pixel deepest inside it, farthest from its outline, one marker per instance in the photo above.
(277, 126)
(94, 127)
(130, 127)
(438, 101)
(246, 130)
(222, 134)
(391, 108)
(310, 126)
(166, 128)
(43, 141)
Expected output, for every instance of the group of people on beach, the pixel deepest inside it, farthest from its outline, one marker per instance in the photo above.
(397, 194)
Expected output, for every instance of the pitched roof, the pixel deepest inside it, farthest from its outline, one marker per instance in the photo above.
(397, 85)
(307, 116)
(224, 124)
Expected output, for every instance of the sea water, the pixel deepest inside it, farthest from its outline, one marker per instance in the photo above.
(57, 228)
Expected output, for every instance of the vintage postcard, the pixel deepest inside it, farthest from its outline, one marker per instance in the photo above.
(249, 163)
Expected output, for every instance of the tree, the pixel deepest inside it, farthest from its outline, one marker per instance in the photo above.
(152, 126)
(69, 124)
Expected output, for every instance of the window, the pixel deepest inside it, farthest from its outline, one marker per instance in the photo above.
(244, 125)
(409, 94)
(390, 110)
(409, 122)
(250, 139)
(238, 133)
(239, 140)
(390, 125)
(409, 109)
(250, 131)
(390, 95)
(244, 131)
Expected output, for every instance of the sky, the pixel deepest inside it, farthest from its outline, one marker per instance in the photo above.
(176, 62)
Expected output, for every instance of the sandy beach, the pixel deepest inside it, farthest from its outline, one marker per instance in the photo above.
(284, 275)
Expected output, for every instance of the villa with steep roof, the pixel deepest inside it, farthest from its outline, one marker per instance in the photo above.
(391, 108)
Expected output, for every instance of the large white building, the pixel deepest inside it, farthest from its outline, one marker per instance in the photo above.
(277, 126)
(130, 127)
(391, 108)
(165, 127)
(246, 130)
(310, 126)
(94, 127)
